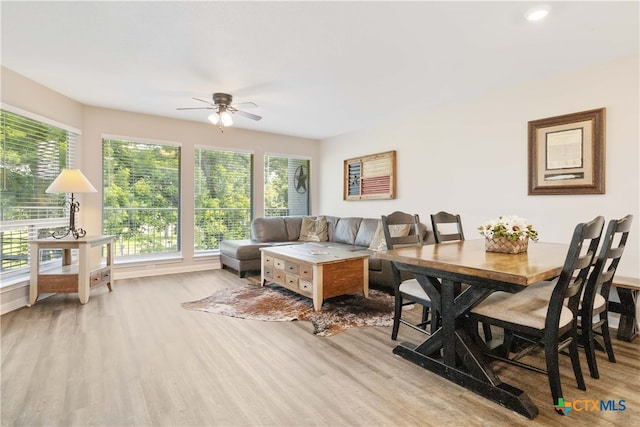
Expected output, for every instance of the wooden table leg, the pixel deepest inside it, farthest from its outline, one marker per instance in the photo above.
(365, 277)
(83, 273)
(318, 280)
(34, 255)
(627, 329)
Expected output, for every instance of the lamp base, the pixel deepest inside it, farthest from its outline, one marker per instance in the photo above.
(75, 232)
(74, 206)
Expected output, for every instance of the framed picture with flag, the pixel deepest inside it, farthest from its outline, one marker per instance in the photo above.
(370, 177)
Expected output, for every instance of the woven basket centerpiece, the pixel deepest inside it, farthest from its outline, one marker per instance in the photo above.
(507, 234)
(506, 246)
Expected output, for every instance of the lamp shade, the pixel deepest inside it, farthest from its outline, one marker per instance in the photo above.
(71, 181)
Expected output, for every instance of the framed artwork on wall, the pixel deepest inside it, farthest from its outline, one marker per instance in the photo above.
(567, 154)
(370, 177)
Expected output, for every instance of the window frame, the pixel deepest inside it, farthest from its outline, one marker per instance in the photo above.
(251, 191)
(153, 256)
(264, 184)
(73, 141)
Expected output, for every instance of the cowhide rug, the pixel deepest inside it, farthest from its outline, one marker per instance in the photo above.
(276, 304)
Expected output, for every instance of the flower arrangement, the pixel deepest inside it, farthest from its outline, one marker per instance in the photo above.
(510, 227)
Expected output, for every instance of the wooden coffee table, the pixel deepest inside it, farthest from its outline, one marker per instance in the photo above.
(316, 270)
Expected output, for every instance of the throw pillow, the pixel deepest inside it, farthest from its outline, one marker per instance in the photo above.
(314, 229)
(378, 243)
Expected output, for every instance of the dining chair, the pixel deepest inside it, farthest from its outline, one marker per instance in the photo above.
(443, 224)
(406, 291)
(442, 232)
(539, 314)
(595, 297)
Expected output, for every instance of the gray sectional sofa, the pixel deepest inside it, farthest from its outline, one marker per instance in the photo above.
(353, 233)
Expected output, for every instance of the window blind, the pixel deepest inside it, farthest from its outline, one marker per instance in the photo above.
(141, 196)
(223, 197)
(33, 153)
(286, 186)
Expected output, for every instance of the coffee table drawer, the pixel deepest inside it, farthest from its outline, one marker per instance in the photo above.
(268, 272)
(268, 260)
(291, 267)
(305, 285)
(305, 271)
(278, 264)
(279, 277)
(291, 280)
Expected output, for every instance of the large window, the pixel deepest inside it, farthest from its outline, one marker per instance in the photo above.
(223, 197)
(286, 186)
(141, 205)
(32, 154)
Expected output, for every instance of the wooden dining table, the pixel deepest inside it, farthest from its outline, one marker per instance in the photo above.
(455, 351)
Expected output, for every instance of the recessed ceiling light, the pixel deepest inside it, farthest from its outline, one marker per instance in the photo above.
(537, 13)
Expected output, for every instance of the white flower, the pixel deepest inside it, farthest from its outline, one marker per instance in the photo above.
(512, 227)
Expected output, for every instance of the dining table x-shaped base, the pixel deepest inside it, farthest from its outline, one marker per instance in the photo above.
(460, 359)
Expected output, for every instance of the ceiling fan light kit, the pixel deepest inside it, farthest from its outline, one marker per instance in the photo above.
(221, 117)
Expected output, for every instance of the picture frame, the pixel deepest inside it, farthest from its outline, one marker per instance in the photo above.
(567, 154)
(371, 177)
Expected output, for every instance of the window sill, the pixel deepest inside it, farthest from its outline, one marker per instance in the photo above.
(15, 282)
(139, 260)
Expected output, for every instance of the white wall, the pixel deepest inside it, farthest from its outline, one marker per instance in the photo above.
(471, 158)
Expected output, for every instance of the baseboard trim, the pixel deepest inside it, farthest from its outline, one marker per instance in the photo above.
(156, 271)
(14, 305)
(23, 301)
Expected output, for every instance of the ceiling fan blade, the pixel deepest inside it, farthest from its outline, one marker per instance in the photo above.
(247, 115)
(195, 108)
(203, 100)
(245, 105)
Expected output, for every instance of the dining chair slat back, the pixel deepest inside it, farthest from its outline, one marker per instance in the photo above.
(440, 223)
(595, 298)
(397, 218)
(407, 291)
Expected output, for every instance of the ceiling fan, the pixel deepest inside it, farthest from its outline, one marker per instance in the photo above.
(223, 109)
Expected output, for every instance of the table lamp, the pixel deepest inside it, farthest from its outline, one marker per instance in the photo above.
(71, 181)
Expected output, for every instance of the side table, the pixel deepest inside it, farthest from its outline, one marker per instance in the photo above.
(70, 277)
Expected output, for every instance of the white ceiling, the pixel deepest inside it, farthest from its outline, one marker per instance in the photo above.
(315, 69)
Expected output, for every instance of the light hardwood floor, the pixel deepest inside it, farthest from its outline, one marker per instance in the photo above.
(134, 356)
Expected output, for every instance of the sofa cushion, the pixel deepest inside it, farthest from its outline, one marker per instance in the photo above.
(314, 229)
(293, 224)
(346, 230)
(331, 225)
(269, 229)
(242, 249)
(366, 231)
